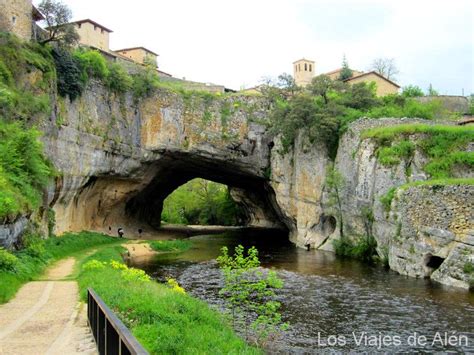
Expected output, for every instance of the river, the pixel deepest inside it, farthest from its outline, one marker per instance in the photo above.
(333, 304)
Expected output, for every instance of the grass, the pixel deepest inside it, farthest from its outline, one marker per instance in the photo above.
(163, 320)
(468, 268)
(443, 145)
(170, 245)
(30, 265)
(362, 248)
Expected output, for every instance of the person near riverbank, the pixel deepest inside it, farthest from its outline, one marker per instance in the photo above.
(307, 243)
(120, 232)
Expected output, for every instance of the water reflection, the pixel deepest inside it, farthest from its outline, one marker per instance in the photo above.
(325, 296)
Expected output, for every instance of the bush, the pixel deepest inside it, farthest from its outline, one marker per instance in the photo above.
(92, 63)
(24, 170)
(71, 81)
(8, 261)
(363, 248)
(118, 80)
(33, 245)
(145, 83)
(468, 268)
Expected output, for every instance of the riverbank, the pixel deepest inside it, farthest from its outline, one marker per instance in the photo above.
(162, 317)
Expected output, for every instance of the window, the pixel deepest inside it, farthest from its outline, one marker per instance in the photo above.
(299, 67)
(95, 28)
(101, 31)
(310, 67)
(14, 19)
(305, 67)
(79, 25)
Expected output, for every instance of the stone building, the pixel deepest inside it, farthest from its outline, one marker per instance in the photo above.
(384, 86)
(335, 74)
(93, 34)
(19, 17)
(139, 55)
(303, 70)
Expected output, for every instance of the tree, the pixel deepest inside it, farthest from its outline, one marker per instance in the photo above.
(320, 86)
(250, 294)
(432, 91)
(412, 91)
(385, 67)
(57, 17)
(346, 72)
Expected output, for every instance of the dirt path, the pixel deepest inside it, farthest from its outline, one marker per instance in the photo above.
(46, 317)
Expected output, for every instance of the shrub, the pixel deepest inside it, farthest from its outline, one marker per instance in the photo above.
(363, 248)
(387, 199)
(145, 83)
(250, 295)
(93, 265)
(92, 63)
(118, 80)
(70, 78)
(468, 268)
(8, 261)
(24, 170)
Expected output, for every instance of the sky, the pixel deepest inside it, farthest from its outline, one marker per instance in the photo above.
(237, 43)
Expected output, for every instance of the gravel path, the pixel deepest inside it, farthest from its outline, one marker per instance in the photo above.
(46, 317)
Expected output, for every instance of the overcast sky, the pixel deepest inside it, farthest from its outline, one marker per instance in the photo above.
(236, 43)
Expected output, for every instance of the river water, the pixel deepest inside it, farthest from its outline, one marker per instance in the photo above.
(332, 304)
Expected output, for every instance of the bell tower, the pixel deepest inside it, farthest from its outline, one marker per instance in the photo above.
(303, 71)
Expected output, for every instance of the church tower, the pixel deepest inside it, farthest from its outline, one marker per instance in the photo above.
(303, 71)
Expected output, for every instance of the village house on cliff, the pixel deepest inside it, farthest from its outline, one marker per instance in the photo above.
(304, 71)
(19, 17)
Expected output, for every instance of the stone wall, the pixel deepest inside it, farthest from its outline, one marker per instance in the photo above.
(16, 17)
(435, 233)
(450, 103)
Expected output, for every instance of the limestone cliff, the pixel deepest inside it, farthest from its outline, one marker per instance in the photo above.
(118, 159)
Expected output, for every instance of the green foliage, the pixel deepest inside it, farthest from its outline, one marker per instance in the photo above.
(37, 254)
(250, 295)
(8, 261)
(92, 64)
(304, 112)
(412, 91)
(164, 320)
(363, 248)
(51, 215)
(443, 145)
(468, 268)
(170, 245)
(346, 72)
(118, 80)
(20, 100)
(387, 199)
(58, 27)
(431, 91)
(24, 170)
(71, 80)
(145, 82)
(203, 202)
(471, 104)
(393, 154)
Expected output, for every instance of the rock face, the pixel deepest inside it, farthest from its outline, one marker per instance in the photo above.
(9, 233)
(119, 159)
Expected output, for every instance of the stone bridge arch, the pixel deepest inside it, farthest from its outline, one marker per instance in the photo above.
(164, 142)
